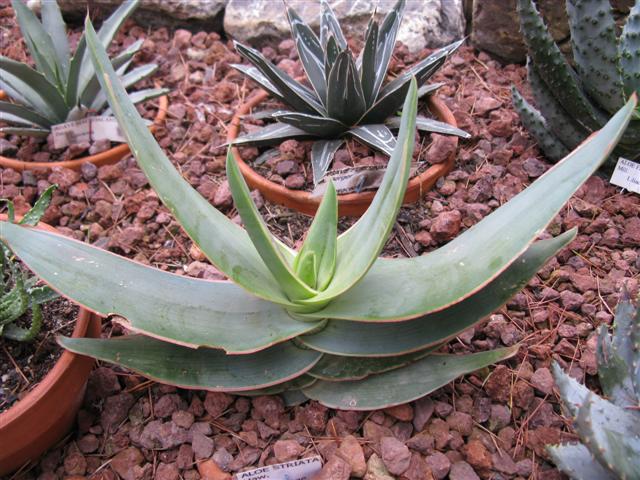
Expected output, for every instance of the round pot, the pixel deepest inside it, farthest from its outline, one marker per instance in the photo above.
(47, 413)
(108, 157)
(351, 204)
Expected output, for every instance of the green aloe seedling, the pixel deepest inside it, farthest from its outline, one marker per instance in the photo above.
(609, 429)
(62, 88)
(347, 97)
(332, 322)
(573, 103)
(20, 293)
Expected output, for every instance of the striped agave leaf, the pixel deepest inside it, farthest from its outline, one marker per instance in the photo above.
(62, 83)
(348, 97)
(332, 321)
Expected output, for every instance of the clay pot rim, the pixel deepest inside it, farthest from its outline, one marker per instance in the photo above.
(351, 204)
(62, 365)
(104, 158)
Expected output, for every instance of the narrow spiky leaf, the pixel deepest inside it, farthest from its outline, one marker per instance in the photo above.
(430, 125)
(10, 112)
(322, 152)
(330, 26)
(386, 43)
(345, 99)
(272, 133)
(313, 124)
(376, 136)
(55, 26)
(368, 67)
(129, 79)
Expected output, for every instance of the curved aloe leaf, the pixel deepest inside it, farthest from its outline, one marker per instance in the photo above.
(298, 96)
(272, 133)
(359, 247)
(40, 45)
(595, 51)
(34, 88)
(430, 125)
(386, 43)
(321, 240)
(72, 94)
(376, 136)
(127, 80)
(407, 384)
(339, 369)
(576, 461)
(407, 288)
(312, 124)
(322, 152)
(203, 368)
(330, 26)
(262, 239)
(54, 24)
(345, 98)
(310, 52)
(628, 48)
(348, 338)
(12, 111)
(226, 244)
(174, 308)
(35, 213)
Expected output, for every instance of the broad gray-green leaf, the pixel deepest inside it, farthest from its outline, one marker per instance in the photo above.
(262, 239)
(107, 31)
(330, 26)
(293, 93)
(55, 26)
(376, 136)
(34, 88)
(368, 66)
(39, 43)
(408, 288)
(270, 134)
(226, 244)
(322, 152)
(321, 239)
(347, 338)
(129, 79)
(310, 52)
(386, 44)
(345, 98)
(339, 369)
(359, 247)
(201, 368)
(291, 385)
(10, 111)
(72, 94)
(404, 384)
(430, 125)
(629, 49)
(575, 460)
(174, 308)
(313, 124)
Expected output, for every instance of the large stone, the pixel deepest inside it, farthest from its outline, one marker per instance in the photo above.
(496, 27)
(426, 23)
(150, 11)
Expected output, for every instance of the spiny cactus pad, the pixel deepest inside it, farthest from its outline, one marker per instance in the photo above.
(609, 429)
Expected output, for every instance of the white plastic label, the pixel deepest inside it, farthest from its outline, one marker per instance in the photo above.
(627, 175)
(303, 469)
(86, 130)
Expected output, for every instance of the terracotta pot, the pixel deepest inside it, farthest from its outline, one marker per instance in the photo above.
(351, 204)
(47, 413)
(108, 157)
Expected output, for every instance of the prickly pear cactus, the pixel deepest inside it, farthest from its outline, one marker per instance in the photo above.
(609, 429)
(572, 103)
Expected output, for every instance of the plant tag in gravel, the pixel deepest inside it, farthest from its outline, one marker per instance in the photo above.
(303, 469)
(65, 134)
(106, 128)
(627, 175)
(355, 179)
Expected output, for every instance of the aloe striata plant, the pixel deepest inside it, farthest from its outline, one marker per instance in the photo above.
(62, 88)
(347, 97)
(573, 103)
(332, 322)
(20, 293)
(609, 429)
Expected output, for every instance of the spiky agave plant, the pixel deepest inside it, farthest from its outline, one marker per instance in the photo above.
(574, 103)
(20, 293)
(347, 97)
(332, 322)
(62, 88)
(609, 429)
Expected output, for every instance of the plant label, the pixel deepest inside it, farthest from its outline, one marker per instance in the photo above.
(303, 469)
(88, 129)
(627, 175)
(355, 179)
